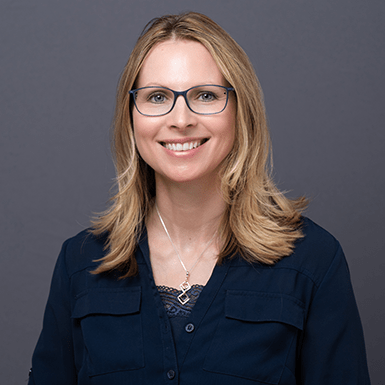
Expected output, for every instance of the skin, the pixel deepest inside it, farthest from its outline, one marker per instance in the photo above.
(187, 182)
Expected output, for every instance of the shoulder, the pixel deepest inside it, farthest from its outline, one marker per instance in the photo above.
(81, 251)
(316, 240)
(314, 253)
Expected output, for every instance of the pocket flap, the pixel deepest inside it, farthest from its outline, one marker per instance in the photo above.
(108, 301)
(264, 307)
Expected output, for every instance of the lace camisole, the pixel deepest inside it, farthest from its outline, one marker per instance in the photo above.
(177, 312)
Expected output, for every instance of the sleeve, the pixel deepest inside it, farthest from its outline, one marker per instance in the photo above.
(333, 349)
(53, 358)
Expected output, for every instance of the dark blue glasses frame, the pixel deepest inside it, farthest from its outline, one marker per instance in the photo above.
(184, 94)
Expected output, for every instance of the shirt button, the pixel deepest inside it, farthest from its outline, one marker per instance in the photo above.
(189, 328)
(170, 374)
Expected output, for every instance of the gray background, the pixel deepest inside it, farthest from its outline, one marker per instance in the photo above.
(321, 65)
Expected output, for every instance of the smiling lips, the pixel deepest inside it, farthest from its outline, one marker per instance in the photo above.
(183, 146)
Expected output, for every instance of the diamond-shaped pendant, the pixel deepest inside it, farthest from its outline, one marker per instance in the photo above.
(185, 286)
(183, 298)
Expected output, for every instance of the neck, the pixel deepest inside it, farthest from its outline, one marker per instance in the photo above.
(191, 211)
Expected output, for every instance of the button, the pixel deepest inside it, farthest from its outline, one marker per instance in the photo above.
(30, 372)
(170, 374)
(189, 328)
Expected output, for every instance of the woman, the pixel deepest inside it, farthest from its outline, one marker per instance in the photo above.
(201, 272)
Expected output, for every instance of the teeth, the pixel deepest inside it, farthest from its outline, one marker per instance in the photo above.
(182, 147)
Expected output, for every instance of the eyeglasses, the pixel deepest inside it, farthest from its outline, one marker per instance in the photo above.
(204, 100)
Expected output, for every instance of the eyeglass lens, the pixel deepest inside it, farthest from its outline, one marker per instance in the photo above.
(208, 99)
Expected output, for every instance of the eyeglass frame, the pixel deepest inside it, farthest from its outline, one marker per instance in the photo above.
(184, 94)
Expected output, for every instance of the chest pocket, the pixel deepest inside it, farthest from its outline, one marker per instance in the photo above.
(111, 326)
(254, 338)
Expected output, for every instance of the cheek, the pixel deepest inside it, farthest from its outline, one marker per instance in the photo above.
(141, 127)
(144, 135)
(229, 132)
(141, 147)
(145, 127)
(139, 136)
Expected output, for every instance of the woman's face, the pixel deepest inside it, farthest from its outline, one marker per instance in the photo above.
(179, 65)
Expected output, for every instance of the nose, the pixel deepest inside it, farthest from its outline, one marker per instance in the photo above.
(181, 117)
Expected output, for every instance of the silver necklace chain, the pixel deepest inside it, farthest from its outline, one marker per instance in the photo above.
(185, 285)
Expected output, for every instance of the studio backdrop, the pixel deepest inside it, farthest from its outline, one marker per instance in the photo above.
(321, 66)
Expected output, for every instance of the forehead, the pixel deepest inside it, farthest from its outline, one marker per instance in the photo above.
(179, 64)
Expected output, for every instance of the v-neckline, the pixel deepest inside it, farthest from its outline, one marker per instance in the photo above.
(202, 305)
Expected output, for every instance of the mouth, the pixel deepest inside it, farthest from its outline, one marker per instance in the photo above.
(186, 146)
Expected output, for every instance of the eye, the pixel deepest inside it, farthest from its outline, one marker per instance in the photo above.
(157, 97)
(206, 96)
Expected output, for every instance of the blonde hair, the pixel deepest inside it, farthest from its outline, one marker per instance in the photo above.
(260, 223)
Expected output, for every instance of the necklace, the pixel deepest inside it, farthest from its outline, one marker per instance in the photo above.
(185, 285)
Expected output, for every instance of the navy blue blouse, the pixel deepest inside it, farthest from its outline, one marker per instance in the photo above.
(294, 323)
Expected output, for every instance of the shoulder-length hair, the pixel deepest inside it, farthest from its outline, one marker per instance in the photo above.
(260, 223)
